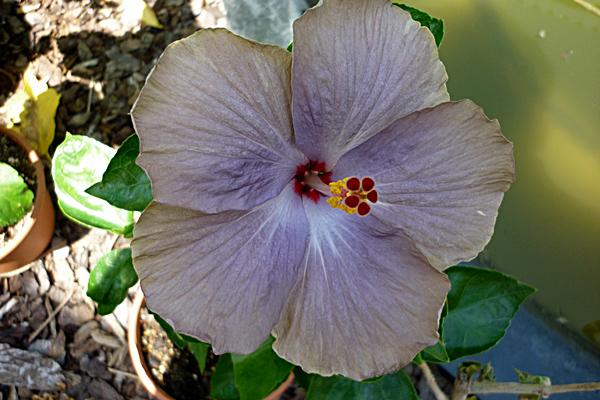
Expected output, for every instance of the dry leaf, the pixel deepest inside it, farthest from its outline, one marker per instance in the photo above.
(31, 110)
(138, 11)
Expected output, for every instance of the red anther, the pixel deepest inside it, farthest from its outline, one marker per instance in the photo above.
(313, 195)
(367, 184)
(353, 183)
(325, 177)
(364, 209)
(372, 196)
(298, 187)
(352, 201)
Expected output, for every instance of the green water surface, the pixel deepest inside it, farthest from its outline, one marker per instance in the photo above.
(535, 65)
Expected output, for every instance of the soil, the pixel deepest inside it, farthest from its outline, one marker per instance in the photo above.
(15, 156)
(8, 233)
(176, 371)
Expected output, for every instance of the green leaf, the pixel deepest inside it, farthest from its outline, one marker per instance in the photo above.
(200, 352)
(222, 384)
(15, 196)
(481, 305)
(110, 280)
(124, 184)
(78, 163)
(435, 354)
(393, 386)
(259, 373)
(290, 46)
(435, 25)
(418, 358)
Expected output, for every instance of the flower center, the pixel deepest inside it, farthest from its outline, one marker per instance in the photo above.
(352, 195)
(311, 180)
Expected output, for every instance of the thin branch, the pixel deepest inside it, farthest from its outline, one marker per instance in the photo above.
(437, 392)
(588, 6)
(463, 388)
(51, 316)
(532, 388)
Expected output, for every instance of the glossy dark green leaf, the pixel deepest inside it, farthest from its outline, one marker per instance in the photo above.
(436, 353)
(15, 197)
(200, 351)
(124, 184)
(259, 373)
(393, 386)
(78, 163)
(222, 383)
(481, 304)
(290, 46)
(435, 25)
(110, 280)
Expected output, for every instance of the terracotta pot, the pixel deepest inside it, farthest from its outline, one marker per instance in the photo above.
(139, 363)
(33, 239)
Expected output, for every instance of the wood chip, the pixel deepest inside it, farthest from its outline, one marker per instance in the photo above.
(5, 309)
(84, 332)
(106, 339)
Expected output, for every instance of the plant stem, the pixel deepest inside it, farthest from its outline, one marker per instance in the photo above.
(462, 389)
(437, 392)
(532, 388)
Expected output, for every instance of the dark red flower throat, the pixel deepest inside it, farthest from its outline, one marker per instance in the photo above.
(310, 178)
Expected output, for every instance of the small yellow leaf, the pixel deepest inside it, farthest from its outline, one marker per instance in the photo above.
(31, 110)
(32, 86)
(139, 11)
(47, 103)
(149, 17)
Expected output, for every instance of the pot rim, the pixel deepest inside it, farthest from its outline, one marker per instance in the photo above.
(139, 364)
(40, 179)
(135, 350)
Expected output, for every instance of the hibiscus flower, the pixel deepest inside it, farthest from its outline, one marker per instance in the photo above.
(313, 195)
